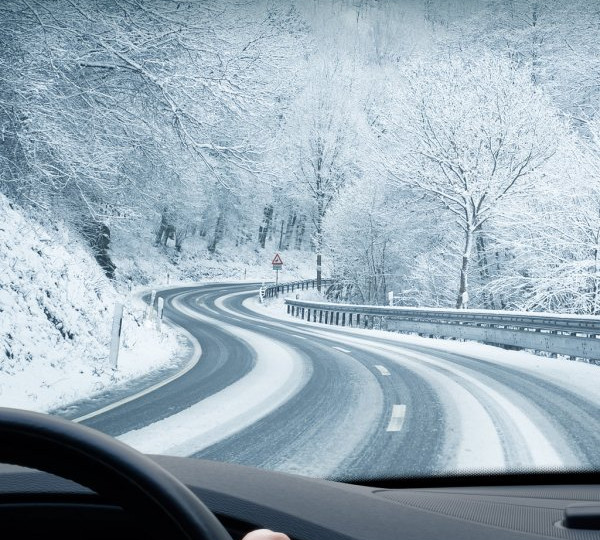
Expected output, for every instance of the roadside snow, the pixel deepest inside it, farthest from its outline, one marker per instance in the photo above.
(56, 309)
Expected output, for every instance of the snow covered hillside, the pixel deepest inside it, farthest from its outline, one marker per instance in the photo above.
(139, 261)
(56, 310)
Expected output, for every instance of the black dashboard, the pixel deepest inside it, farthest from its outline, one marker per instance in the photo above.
(35, 503)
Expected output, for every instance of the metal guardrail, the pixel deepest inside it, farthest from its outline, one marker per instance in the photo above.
(274, 290)
(571, 335)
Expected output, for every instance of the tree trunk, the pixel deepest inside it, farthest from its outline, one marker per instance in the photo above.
(281, 235)
(219, 229)
(162, 228)
(596, 284)
(463, 293)
(319, 238)
(300, 228)
(482, 261)
(263, 230)
(289, 230)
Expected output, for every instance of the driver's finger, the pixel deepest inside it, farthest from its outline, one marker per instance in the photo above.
(265, 534)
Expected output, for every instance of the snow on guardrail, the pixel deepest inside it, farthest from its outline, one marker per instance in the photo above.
(302, 285)
(572, 335)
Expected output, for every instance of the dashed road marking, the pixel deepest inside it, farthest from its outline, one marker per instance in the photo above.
(397, 419)
(382, 370)
(342, 349)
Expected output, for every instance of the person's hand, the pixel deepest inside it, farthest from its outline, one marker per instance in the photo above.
(265, 534)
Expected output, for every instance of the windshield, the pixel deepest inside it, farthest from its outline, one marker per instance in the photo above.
(343, 239)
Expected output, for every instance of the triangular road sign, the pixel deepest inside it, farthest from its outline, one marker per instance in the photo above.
(277, 259)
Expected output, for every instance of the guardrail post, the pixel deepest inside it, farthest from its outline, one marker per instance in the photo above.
(337, 318)
(343, 319)
(288, 309)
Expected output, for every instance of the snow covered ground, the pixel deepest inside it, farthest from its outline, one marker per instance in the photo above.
(56, 309)
(139, 260)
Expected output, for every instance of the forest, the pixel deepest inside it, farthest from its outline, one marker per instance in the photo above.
(445, 150)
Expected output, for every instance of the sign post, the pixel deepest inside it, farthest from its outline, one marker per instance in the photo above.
(277, 265)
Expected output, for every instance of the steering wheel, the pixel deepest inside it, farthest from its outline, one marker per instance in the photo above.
(108, 467)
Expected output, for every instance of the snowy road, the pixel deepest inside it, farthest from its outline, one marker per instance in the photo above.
(300, 397)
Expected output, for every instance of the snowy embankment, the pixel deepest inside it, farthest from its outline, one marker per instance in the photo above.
(56, 309)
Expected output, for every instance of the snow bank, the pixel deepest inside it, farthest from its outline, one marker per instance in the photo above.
(56, 310)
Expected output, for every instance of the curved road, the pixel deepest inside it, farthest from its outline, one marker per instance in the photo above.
(325, 401)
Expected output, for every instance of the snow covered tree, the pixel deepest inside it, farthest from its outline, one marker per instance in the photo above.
(472, 135)
(324, 133)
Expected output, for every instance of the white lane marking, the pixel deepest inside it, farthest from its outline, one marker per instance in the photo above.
(341, 349)
(397, 419)
(383, 370)
(194, 359)
(300, 337)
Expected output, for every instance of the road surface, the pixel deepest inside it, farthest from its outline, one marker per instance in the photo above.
(282, 394)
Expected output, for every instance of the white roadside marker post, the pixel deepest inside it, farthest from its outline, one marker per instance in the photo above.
(116, 336)
(159, 313)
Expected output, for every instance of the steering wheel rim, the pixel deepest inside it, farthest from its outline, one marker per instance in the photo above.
(108, 467)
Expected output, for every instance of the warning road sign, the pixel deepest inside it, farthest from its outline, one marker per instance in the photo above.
(277, 260)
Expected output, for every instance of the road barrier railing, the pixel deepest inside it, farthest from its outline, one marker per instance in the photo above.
(572, 335)
(271, 291)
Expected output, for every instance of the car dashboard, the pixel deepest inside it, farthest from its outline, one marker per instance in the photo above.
(244, 498)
